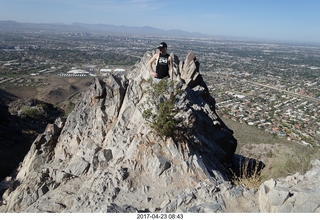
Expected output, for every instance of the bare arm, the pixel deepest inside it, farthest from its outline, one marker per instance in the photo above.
(154, 58)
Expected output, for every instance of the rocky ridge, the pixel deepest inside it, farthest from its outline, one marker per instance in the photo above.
(105, 158)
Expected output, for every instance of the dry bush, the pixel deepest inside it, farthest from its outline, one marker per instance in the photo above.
(250, 175)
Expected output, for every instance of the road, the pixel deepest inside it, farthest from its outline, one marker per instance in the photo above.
(288, 92)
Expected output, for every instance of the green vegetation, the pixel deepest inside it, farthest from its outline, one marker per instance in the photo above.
(246, 134)
(269, 154)
(160, 109)
(32, 112)
(288, 163)
(69, 108)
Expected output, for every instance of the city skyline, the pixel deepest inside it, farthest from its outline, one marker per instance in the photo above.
(293, 21)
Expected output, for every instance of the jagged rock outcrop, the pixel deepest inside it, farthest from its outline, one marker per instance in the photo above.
(104, 155)
(105, 158)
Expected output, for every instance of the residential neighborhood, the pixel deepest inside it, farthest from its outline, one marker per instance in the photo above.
(275, 109)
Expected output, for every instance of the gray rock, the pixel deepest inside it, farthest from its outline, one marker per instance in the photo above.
(295, 193)
(78, 166)
(105, 158)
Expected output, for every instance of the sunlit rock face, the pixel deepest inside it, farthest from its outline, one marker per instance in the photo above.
(105, 158)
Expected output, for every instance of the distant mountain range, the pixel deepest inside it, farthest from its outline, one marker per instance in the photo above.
(102, 28)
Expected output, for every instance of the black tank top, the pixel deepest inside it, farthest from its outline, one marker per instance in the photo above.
(162, 68)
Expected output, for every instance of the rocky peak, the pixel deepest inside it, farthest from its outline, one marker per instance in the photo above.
(104, 154)
(105, 158)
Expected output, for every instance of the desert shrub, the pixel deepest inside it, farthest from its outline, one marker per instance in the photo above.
(69, 108)
(32, 112)
(250, 175)
(160, 109)
(269, 154)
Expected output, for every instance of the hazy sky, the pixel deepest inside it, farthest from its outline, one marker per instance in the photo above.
(292, 20)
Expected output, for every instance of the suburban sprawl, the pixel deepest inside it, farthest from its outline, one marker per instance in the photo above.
(273, 86)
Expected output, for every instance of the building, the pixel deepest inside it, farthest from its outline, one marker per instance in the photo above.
(77, 71)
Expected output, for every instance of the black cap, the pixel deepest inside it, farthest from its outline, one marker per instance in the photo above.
(162, 45)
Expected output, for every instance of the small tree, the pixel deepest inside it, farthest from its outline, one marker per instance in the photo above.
(160, 111)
